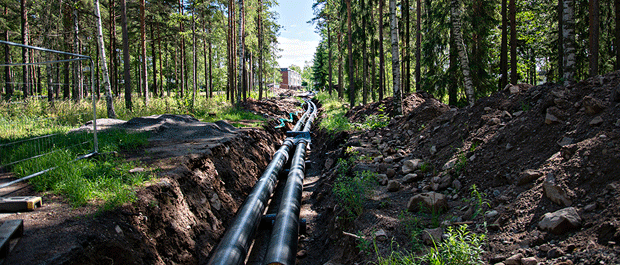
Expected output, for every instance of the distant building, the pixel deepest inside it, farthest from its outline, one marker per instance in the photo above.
(290, 78)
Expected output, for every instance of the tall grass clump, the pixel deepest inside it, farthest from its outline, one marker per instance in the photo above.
(334, 119)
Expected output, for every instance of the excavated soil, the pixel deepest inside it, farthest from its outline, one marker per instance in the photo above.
(512, 146)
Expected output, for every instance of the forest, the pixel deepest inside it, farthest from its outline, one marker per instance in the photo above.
(461, 50)
(185, 49)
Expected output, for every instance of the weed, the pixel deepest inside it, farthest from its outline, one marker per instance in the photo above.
(351, 190)
(396, 257)
(525, 106)
(461, 247)
(461, 163)
(334, 109)
(363, 244)
(477, 200)
(426, 167)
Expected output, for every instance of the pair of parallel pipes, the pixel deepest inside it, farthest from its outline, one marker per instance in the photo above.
(235, 244)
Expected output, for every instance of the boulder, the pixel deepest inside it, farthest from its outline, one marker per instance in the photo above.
(596, 121)
(551, 119)
(382, 179)
(381, 235)
(428, 201)
(431, 235)
(555, 192)
(390, 172)
(410, 178)
(393, 186)
(411, 165)
(592, 105)
(529, 261)
(560, 221)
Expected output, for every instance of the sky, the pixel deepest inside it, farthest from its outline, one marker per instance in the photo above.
(297, 39)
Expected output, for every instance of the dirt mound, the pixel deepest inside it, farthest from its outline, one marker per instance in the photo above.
(529, 150)
(411, 102)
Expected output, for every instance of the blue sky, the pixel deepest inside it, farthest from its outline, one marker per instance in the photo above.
(297, 39)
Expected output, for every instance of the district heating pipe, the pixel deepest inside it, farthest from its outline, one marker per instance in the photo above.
(282, 248)
(234, 246)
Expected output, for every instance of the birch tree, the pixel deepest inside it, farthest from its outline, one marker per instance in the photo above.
(568, 36)
(398, 108)
(458, 38)
(104, 66)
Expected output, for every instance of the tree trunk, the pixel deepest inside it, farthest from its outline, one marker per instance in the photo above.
(453, 81)
(381, 53)
(617, 7)
(458, 38)
(503, 61)
(194, 57)
(568, 35)
(161, 75)
(113, 62)
(350, 50)
(25, 55)
(329, 60)
(364, 57)
(144, 78)
(240, 54)
(8, 76)
(154, 56)
(407, 45)
(418, 52)
(181, 81)
(398, 108)
(340, 67)
(514, 78)
(210, 67)
(260, 50)
(77, 70)
(126, 63)
(594, 36)
(106, 78)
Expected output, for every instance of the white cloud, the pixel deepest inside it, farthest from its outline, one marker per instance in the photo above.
(295, 51)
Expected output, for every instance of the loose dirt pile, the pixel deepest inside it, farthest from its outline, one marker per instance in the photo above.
(545, 160)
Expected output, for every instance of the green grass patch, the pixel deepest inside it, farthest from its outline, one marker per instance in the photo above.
(334, 108)
(461, 247)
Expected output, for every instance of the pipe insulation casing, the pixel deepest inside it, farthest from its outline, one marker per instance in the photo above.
(283, 242)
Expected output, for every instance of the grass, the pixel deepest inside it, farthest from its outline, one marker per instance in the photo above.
(106, 179)
(334, 109)
(351, 190)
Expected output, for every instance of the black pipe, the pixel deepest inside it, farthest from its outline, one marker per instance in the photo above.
(233, 248)
(283, 242)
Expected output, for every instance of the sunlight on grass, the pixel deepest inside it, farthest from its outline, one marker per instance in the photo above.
(334, 108)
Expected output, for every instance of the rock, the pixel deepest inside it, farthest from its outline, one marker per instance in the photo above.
(529, 261)
(566, 141)
(528, 176)
(518, 113)
(491, 214)
(615, 94)
(450, 164)
(590, 207)
(136, 170)
(592, 105)
(432, 235)
(428, 201)
(382, 179)
(215, 201)
(390, 172)
(433, 150)
(513, 89)
(508, 147)
(381, 235)
(495, 121)
(329, 163)
(118, 229)
(551, 119)
(445, 182)
(411, 165)
(560, 221)
(555, 253)
(596, 121)
(393, 186)
(456, 184)
(514, 259)
(302, 253)
(410, 178)
(487, 109)
(555, 192)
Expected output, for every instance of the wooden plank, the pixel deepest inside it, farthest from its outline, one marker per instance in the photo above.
(10, 229)
(19, 203)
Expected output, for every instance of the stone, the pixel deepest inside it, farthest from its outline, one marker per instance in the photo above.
(456, 184)
(495, 121)
(555, 253)
(560, 221)
(136, 170)
(551, 119)
(302, 253)
(508, 147)
(487, 109)
(590, 207)
(428, 201)
(518, 113)
(382, 179)
(514, 259)
(555, 192)
(529, 261)
(390, 172)
(411, 165)
(528, 176)
(434, 149)
(410, 178)
(566, 141)
(514, 89)
(118, 229)
(450, 164)
(381, 235)
(596, 121)
(432, 235)
(592, 105)
(491, 214)
(393, 185)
